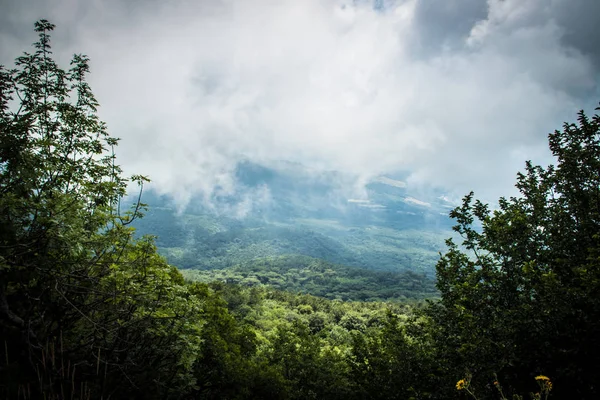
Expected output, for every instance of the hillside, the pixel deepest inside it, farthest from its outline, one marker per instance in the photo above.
(301, 274)
(305, 214)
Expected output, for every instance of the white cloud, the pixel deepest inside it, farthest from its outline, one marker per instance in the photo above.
(391, 182)
(417, 202)
(359, 201)
(194, 87)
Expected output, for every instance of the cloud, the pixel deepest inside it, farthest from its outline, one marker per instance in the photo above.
(458, 95)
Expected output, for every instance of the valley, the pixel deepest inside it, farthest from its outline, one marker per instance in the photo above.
(381, 246)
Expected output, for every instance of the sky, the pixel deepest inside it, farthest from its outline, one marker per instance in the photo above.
(455, 94)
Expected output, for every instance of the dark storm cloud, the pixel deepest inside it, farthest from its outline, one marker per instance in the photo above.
(446, 23)
(580, 20)
(449, 22)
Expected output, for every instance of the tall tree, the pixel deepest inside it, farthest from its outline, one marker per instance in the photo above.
(86, 310)
(520, 296)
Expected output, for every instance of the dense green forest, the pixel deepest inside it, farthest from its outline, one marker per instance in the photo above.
(90, 310)
(309, 275)
(196, 239)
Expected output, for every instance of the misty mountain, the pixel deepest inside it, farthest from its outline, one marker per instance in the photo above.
(289, 210)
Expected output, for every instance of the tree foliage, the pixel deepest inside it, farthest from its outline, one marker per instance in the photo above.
(320, 278)
(80, 300)
(520, 295)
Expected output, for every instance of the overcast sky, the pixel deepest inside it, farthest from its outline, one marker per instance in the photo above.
(457, 92)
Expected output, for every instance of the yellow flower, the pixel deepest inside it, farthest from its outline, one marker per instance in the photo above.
(460, 385)
(496, 383)
(542, 378)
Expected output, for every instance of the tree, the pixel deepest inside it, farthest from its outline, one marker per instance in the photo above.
(85, 310)
(519, 297)
(390, 363)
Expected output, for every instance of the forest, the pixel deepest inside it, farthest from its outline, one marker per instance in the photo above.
(302, 274)
(394, 242)
(91, 310)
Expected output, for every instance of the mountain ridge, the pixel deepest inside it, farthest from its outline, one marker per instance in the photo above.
(389, 229)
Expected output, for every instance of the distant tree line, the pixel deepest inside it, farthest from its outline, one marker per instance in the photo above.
(302, 274)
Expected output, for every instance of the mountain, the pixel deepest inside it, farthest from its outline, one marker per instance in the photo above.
(287, 210)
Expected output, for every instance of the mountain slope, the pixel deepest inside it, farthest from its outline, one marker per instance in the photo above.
(320, 278)
(387, 229)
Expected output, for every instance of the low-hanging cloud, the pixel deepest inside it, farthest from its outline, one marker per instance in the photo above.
(458, 95)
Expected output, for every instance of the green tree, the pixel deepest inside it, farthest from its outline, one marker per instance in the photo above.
(390, 363)
(520, 296)
(85, 310)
